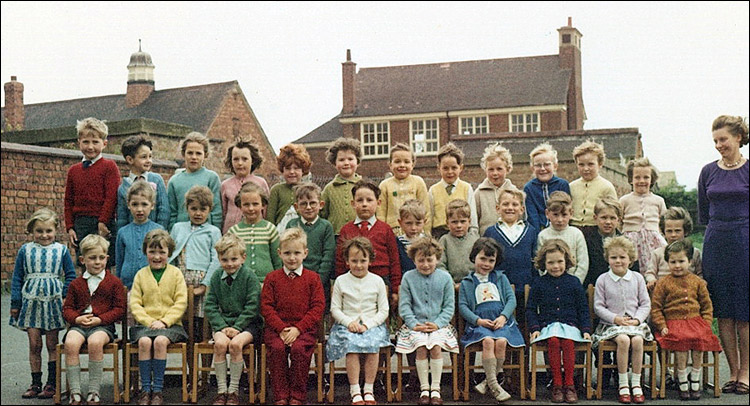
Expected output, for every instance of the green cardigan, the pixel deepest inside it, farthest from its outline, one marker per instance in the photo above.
(233, 306)
(337, 196)
(280, 200)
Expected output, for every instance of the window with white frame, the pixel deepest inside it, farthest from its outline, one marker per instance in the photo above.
(376, 139)
(473, 125)
(424, 136)
(524, 123)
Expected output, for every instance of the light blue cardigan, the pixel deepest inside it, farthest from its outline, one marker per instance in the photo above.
(199, 247)
(426, 298)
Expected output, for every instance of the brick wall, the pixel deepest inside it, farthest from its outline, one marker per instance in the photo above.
(34, 177)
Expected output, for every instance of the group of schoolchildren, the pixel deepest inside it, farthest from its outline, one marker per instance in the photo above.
(271, 262)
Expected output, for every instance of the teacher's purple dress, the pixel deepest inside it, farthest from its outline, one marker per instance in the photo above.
(723, 204)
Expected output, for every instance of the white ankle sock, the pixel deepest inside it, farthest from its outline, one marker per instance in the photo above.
(635, 383)
(368, 388)
(695, 378)
(682, 379)
(354, 389)
(623, 380)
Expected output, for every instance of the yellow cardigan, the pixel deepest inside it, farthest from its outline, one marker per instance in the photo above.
(165, 301)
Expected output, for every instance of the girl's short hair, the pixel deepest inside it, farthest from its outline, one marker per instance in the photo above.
(158, 238)
(131, 144)
(608, 203)
(343, 144)
(458, 206)
(93, 241)
(228, 242)
(360, 243)
(642, 163)
(293, 234)
(413, 208)
(91, 126)
(450, 149)
(425, 245)
(518, 194)
(621, 242)
(366, 184)
(251, 187)
(683, 245)
(559, 201)
(554, 245)
(677, 213)
(542, 148)
(44, 215)
(306, 190)
(496, 151)
(589, 146)
(195, 137)
(490, 248)
(736, 125)
(254, 155)
(294, 154)
(200, 194)
(141, 188)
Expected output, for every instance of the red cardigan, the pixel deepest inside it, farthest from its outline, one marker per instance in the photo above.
(297, 302)
(384, 244)
(91, 191)
(107, 303)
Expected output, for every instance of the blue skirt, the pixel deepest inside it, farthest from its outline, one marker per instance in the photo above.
(491, 311)
(561, 330)
(341, 341)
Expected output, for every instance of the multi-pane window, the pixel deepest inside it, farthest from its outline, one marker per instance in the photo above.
(376, 139)
(527, 122)
(424, 136)
(473, 125)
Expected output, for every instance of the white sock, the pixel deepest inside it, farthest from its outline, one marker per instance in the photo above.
(635, 383)
(623, 380)
(221, 376)
(436, 370)
(423, 372)
(369, 387)
(682, 379)
(695, 378)
(235, 373)
(354, 389)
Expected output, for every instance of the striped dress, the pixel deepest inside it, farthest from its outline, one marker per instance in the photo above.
(37, 289)
(262, 242)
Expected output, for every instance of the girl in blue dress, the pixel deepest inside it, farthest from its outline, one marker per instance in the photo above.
(487, 302)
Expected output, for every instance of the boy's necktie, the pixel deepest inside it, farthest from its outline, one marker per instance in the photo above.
(86, 163)
(449, 189)
(363, 226)
(292, 275)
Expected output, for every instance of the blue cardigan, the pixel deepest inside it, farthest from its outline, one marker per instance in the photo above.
(518, 256)
(200, 253)
(129, 256)
(536, 204)
(467, 299)
(426, 298)
(560, 299)
(160, 212)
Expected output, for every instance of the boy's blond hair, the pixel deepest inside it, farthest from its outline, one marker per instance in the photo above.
(677, 213)
(91, 126)
(559, 201)
(450, 149)
(343, 144)
(592, 147)
(44, 215)
(414, 208)
(158, 239)
(306, 190)
(425, 245)
(200, 194)
(608, 203)
(399, 146)
(291, 235)
(228, 242)
(141, 188)
(553, 245)
(360, 243)
(542, 148)
(496, 151)
(195, 137)
(518, 194)
(458, 207)
(92, 241)
(620, 242)
(642, 163)
(251, 187)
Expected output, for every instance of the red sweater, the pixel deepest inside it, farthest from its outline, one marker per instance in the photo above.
(384, 244)
(107, 303)
(297, 302)
(91, 191)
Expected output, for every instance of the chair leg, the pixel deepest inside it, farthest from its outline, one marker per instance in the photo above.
(599, 372)
(532, 394)
(116, 378)
(58, 374)
(589, 391)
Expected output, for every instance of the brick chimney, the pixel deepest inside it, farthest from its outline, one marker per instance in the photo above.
(570, 58)
(14, 115)
(348, 72)
(140, 78)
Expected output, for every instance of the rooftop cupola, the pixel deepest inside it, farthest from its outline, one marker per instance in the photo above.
(140, 78)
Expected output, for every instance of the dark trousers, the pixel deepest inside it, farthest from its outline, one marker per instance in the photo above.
(289, 381)
(85, 225)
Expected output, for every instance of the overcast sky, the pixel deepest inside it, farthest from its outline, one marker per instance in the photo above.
(666, 68)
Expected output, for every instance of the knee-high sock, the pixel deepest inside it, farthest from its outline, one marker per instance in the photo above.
(144, 369)
(51, 370)
(235, 372)
(490, 370)
(553, 346)
(74, 378)
(423, 372)
(95, 375)
(221, 376)
(159, 366)
(436, 370)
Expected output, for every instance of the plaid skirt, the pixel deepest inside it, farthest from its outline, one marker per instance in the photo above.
(606, 332)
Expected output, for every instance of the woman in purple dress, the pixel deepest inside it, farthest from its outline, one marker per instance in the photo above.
(723, 188)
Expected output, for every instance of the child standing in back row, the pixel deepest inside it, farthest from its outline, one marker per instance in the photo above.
(243, 158)
(497, 163)
(401, 187)
(590, 187)
(293, 162)
(449, 188)
(543, 161)
(345, 156)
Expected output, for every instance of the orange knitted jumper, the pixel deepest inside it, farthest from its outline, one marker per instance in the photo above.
(683, 297)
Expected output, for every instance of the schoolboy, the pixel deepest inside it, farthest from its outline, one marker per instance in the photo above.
(95, 302)
(292, 303)
(675, 224)
(559, 209)
(91, 188)
(136, 150)
(458, 242)
(233, 311)
(411, 218)
(386, 263)
(450, 187)
(321, 239)
(543, 161)
(345, 155)
(401, 187)
(590, 187)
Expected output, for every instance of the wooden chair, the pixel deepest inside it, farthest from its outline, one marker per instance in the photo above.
(667, 360)
(111, 348)
(650, 348)
(202, 359)
(131, 354)
(514, 360)
(542, 346)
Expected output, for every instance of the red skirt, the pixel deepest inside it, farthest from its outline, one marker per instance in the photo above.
(685, 335)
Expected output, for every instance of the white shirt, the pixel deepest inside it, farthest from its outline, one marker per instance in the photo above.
(297, 271)
(370, 222)
(514, 231)
(93, 282)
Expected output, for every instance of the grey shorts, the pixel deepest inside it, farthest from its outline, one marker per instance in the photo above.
(86, 332)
